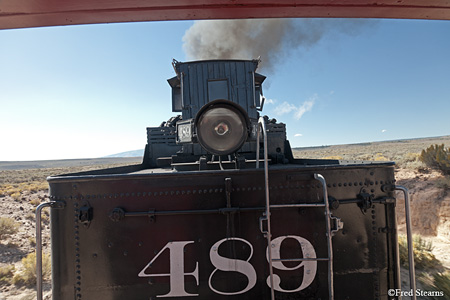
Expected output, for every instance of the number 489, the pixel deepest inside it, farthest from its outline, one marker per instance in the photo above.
(177, 273)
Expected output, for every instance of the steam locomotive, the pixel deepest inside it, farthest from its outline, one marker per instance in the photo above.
(221, 209)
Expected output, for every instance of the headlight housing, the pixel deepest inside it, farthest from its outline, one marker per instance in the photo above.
(222, 127)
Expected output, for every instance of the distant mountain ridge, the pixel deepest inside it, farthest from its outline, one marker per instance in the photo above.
(140, 152)
(432, 140)
(63, 163)
(133, 153)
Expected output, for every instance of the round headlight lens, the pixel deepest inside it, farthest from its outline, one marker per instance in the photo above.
(221, 130)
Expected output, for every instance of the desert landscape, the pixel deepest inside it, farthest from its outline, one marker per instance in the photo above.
(23, 186)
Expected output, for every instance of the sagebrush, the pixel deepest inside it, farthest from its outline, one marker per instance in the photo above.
(27, 274)
(422, 249)
(437, 157)
(7, 227)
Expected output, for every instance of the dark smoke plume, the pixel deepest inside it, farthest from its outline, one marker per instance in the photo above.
(270, 39)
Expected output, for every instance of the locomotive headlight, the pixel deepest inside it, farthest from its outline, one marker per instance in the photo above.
(221, 128)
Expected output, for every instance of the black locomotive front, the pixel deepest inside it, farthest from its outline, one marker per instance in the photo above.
(220, 209)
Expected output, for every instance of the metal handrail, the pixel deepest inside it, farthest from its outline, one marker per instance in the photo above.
(322, 180)
(412, 273)
(52, 204)
(262, 124)
(266, 217)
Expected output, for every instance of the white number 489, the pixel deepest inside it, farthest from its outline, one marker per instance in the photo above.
(177, 273)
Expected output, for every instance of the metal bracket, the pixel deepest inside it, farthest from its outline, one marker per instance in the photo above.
(263, 219)
(337, 224)
(333, 202)
(386, 230)
(239, 162)
(367, 201)
(86, 214)
(202, 163)
(117, 214)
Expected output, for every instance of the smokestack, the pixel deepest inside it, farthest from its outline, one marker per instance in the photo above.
(271, 39)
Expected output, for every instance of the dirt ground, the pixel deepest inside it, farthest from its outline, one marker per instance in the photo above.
(430, 213)
(13, 248)
(430, 210)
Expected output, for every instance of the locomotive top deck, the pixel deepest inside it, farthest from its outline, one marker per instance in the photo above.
(307, 165)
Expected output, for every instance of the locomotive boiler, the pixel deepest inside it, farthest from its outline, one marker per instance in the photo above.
(221, 209)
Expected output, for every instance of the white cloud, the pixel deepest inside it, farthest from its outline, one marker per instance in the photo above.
(270, 101)
(383, 131)
(306, 106)
(286, 108)
(298, 134)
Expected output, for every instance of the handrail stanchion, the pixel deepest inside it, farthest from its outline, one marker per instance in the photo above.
(409, 238)
(268, 233)
(52, 204)
(322, 180)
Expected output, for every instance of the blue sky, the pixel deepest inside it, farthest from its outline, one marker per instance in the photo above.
(91, 90)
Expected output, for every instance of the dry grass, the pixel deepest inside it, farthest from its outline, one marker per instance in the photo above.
(15, 190)
(6, 274)
(430, 273)
(422, 249)
(35, 178)
(19, 183)
(405, 153)
(27, 274)
(8, 227)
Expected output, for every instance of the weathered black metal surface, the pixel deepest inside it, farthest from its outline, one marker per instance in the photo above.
(234, 77)
(148, 233)
(200, 86)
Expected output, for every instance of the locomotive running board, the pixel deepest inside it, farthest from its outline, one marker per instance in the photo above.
(266, 218)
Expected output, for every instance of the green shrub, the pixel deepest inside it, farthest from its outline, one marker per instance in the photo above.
(437, 157)
(439, 283)
(423, 257)
(410, 161)
(27, 275)
(442, 283)
(8, 226)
